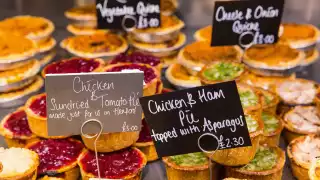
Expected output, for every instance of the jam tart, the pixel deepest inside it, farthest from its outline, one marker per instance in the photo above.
(132, 161)
(18, 163)
(272, 129)
(95, 45)
(203, 34)
(15, 129)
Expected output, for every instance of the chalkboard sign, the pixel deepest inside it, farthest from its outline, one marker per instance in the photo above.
(205, 117)
(246, 23)
(125, 14)
(111, 98)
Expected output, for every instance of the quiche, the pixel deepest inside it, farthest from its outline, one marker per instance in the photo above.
(169, 30)
(269, 101)
(203, 34)
(124, 164)
(47, 58)
(221, 71)
(242, 155)
(45, 46)
(179, 76)
(168, 7)
(267, 164)
(301, 120)
(311, 56)
(250, 99)
(79, 29)
(95, 45)
(196, 55)
(302, 151)
(188, 167)
(18, 163)
(151, 75)
(57, 155)
(82, 13)
(15, 129)
(272, 129)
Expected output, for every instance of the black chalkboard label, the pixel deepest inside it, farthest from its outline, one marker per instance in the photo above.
(207, 117)
(247, 22)
(125, 14)
(111, 98)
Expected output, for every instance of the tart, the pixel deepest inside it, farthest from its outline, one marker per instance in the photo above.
(242, 155)
(82, 13)
(300, 35)
(221, 71)
(95, 45)
(36, 110)
(272, 59)
(46, 46)
(145, 143)
(18, 163)
(57, 155)
(267, 164)
(198, 54)
(168, 7)
(188, 167)
(299, 121)
(272, 129)
(169, 60)
(125, 164)
(311, 56)
(73, 65)
(18, 97)
(71, 174)
(250, 99)
(32, 27)
(160, 49)
(169, 30)
(203, 34)
(79, 30)
(151, 75)
(47, 58)
(269, 101)
(297, 91)
(302, 151)
(179, 76)
(15, 129)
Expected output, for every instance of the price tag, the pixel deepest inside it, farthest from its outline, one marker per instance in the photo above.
(198, 119)
(246, 23)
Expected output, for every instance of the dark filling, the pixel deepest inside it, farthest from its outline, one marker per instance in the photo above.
(158, 87)
(137, 57)
(144, 135)
(149, 74)
(39, 106)
(164, 90)
(113, 165)
(17, 123)
(56, 153)
(72, 66)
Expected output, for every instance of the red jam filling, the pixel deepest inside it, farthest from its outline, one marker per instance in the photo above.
(17, 123)
(113, 165)
(75, 65)
(56, 153)
(149, 74)
(136, 57)
(39, 106)
(164, 90)
(144, 135)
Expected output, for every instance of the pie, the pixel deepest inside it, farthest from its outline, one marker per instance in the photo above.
(74, 65)
(300, 35)
(18, 97)
(32, 27)
(272, 129)
(95, 45)
(82, 13)
(242, 155)
(302, 151)
(221, 71)
(250, 99)
(203, 34)
(18, 163)
(300, 121)
(46, 51)
(267, 164)
(79, 30)
(169, 30)
(48, 58)
(151, 75)
(311, 56)
(187, 166)
(124, 164)
(179, 76)
(36, 110)
(15, 129)
(46, 45)
(57, 155)
(168, 7)
(269, 101)
(196, 55)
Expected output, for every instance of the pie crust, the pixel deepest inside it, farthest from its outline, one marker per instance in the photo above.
(150, 88)
(268, 106)
(179, 77)
(203, 34)
(95, 45)
(82, 13)
(169, 60)
(79, 30)
(16, 140)
(311, 56)
(48, 58)
(168, 7)
(132, 176)
(274, 174)
(71, 174)
(47, 45)
(272, 138)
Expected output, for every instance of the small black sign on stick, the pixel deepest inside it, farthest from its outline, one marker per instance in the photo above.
(198, 119)
(247, 22)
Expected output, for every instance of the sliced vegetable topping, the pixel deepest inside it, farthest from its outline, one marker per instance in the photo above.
(192, 159)
(223, 71)
(271, 123)
(265, 159)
